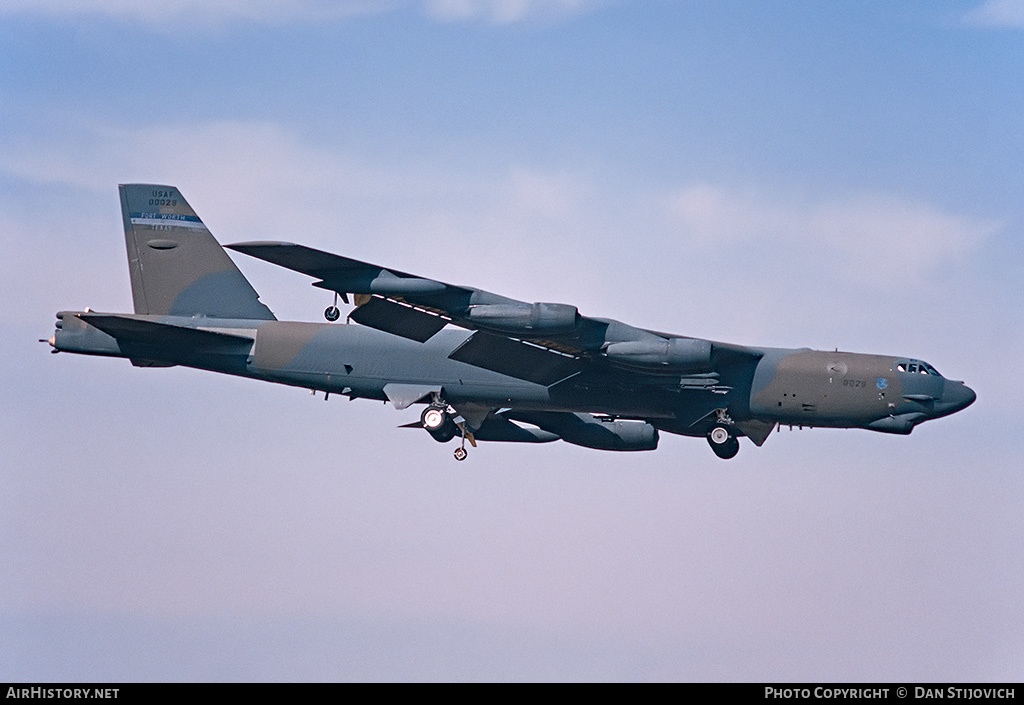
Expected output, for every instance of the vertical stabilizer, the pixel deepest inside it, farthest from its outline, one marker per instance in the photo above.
(177, 267)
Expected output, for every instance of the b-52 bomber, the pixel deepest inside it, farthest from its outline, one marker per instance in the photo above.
(486, 367)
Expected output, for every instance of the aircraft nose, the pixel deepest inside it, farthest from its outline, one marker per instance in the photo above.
(957, 396)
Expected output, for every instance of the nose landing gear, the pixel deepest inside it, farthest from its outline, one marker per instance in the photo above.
(723, 442)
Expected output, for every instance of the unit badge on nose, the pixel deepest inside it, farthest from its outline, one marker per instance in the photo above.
(882, 383)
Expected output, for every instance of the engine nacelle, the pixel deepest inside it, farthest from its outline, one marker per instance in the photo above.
(591, 431)
(499, 428)
(532, 319)
(676, 354)
(612, 435)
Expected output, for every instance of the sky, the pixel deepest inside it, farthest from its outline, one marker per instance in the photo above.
(796, 173)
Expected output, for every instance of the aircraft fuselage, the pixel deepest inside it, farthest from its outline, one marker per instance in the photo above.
(784, 386)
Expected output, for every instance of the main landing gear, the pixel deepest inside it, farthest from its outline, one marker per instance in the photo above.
(442, 427)
(439, 423)
(723, 442)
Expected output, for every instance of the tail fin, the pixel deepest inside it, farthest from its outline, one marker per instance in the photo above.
(177, 267)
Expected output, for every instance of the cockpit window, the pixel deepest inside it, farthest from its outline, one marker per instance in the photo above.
(916, 367)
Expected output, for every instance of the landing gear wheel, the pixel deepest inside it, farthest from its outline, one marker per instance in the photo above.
(723, 442)
(438, 423)
(433, 418)
(719, 435)
(331, 313)
(727, 450)
(460, 454)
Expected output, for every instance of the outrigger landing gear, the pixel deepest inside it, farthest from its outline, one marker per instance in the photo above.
(461, 453)
(332, 312)
(723, 442)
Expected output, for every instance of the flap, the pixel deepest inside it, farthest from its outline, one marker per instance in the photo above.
(399, 319)
(516, 358)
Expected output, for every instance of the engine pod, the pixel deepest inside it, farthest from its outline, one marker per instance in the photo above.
(526, 319)
(676, 354)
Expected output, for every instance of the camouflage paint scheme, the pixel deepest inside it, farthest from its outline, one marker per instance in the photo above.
(489, 367)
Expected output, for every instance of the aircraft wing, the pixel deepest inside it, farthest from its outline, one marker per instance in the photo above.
(538, 342)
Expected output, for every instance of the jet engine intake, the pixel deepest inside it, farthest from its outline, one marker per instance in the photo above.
(533, 319)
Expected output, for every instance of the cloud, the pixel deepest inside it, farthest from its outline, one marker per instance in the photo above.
(206, 12)
(200, 11)
(998, 13)
(881, 239)
(504, 12)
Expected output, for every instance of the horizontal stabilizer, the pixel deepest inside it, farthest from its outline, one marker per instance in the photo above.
(134, 330)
